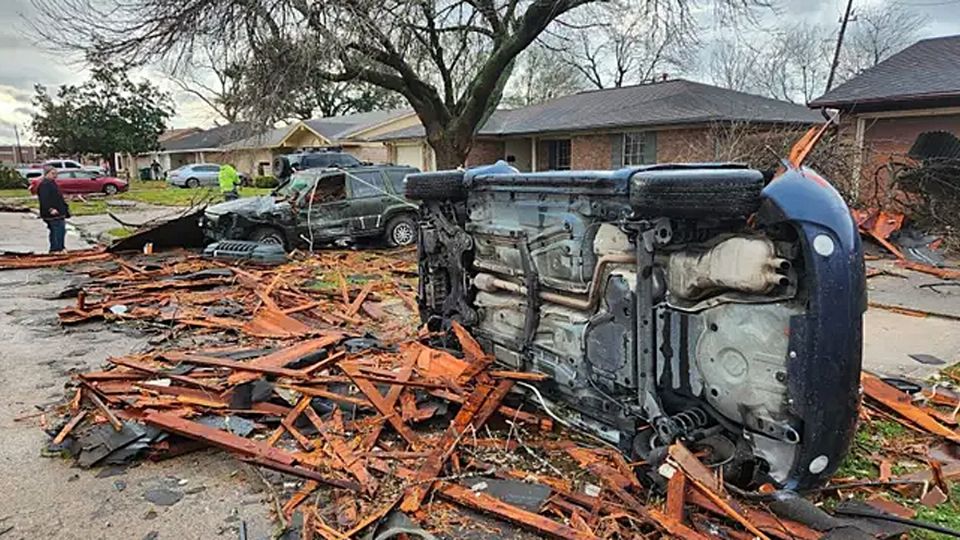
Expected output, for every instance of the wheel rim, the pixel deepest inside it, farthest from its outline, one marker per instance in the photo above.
(192, 183)
(110, 190)
(403, 234)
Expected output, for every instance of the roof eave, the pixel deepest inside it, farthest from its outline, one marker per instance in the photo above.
(844, 104)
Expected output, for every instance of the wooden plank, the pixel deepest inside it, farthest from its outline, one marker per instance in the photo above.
(772, 525)
(901, 404)
(217, 437)
(189, 381)
(301, 472)
(358, 301)
(381, 405)
(351, 462)
(69, 427)
(112, 418)
(286, 356)
(488, 504)
(333, 396)
(693, 467)
(676, 496)
(474, 413)
(390, 401)
(233, 364)
(665, 522)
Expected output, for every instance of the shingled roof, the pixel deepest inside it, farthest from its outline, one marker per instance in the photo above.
(673, 102)
(928, 70)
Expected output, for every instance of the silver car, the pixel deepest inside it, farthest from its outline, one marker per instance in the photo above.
(195, 175)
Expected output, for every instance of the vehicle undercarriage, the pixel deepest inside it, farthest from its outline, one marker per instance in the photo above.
(667, 302)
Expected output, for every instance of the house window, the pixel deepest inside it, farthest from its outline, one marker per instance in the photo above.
(558, 153)
(639, 148)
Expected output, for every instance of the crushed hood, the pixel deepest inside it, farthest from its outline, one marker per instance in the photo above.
(249, 206)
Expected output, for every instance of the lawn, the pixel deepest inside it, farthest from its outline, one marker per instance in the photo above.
(155, 193)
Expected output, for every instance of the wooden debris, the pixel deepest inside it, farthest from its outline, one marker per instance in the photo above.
(901, 404)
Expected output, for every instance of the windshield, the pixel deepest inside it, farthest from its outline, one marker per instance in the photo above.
(297, 184)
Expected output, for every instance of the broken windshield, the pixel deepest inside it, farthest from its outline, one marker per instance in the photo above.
(297, 184)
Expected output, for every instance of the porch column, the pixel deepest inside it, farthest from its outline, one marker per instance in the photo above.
(201, 158)
(533, 154)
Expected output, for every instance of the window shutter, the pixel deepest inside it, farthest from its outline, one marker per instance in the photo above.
(650, 147)
(616, 151)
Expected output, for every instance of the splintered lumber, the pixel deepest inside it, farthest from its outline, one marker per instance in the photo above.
(139, 366)
(676, 496)
(233, 364)
(381, 404)
(485, 503)
(217, 437)
(474, 414)
(667, 523)
(350, 461)
(107, 413)
(477, 358)
(358, 301)
(301, 472)
(286, 356)
(772, 525)
(901, 404)
(393, 395)
(69, 427)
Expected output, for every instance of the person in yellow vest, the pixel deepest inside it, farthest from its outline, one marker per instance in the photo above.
(229, 182)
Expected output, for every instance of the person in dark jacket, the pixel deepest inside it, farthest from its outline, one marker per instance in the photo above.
(53, 209)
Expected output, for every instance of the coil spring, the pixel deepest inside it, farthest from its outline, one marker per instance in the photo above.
(691, 419)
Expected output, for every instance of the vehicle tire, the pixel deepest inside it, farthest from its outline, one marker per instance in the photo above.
(436, 186)
(281, 167)
(268, 235)
(192, 183)
(110, 189)
(687, 193)
(401, 231)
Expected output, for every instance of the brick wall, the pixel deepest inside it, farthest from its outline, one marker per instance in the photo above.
(889, 139)
(589, 152)
(373, 153)
(685, 145)
(484, 153)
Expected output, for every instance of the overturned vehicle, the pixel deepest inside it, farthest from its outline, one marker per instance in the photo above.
(706, 303)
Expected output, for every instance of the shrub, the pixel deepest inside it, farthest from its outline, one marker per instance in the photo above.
(265, 182)
(11, 179)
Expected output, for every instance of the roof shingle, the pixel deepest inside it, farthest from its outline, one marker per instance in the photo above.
(927, 69)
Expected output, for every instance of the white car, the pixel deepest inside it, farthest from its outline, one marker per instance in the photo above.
(67, 164)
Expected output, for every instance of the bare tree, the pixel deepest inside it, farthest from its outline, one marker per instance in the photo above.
(541, 75)
(215, 78)
(618, 44)
(732, 65)
(794, 64)
(875, 34)
(450, 59)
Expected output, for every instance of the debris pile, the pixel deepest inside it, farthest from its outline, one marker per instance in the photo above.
(276, 366)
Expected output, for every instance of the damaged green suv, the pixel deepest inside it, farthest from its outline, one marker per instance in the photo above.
(322, 206)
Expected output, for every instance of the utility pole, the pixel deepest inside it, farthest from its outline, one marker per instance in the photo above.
(836, 53)
(19, 153)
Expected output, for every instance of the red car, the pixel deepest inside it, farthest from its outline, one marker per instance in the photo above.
(74, 181)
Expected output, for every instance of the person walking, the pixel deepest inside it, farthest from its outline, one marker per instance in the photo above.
(53, 209)
(229, 180)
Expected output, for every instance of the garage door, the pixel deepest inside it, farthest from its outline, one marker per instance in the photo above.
(410, 155)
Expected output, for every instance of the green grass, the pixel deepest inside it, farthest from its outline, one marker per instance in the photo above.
(120, 232)
(946, 515)
(154, 193)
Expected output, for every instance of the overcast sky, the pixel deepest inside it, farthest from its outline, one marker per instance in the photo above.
(24, 63)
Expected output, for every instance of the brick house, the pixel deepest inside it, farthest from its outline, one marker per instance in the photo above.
(668, 121)
(886, 107)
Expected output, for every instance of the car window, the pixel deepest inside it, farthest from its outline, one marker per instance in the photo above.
(328, 189)
(346, 160)
(398, 179)
(366, 184)
(298, 183)
(71, 165)
(208, 168)
(84, 174)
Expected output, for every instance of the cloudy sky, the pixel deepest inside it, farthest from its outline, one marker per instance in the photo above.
(24, 63)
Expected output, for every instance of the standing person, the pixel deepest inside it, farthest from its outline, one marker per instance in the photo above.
(155, 170)
(229, 180)
(53, 209)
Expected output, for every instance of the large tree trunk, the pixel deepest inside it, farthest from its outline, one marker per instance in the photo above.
(449, 147)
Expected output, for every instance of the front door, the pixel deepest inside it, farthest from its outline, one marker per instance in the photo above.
(368, 198)
(323, 210)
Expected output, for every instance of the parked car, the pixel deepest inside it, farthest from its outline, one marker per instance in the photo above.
(322, 206)
(69, 164)
(81, 182)
(665, 302)
(199, 174)
(284, 166)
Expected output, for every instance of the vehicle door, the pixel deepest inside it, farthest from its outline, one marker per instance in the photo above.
(209, 175)
(67, 182)
(322, 207)
(85, 182)
(369, 198)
